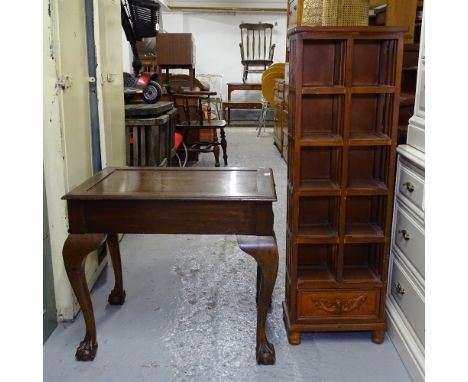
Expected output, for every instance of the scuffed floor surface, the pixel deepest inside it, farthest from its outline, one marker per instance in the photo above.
(190, 311)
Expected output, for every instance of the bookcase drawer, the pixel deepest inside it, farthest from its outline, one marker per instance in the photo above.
(339, 304)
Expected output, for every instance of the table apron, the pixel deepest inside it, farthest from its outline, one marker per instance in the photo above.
(171, 217)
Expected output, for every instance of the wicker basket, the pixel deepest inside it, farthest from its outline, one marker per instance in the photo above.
(335, 12)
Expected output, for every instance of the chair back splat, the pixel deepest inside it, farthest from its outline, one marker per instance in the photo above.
(256, 47)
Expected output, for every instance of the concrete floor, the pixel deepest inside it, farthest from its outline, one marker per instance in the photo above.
(190, 311)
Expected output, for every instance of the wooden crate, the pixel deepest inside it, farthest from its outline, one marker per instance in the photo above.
(150, 141)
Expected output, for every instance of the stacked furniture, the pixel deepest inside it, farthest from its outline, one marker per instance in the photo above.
(278, 118)
(406, 292)
(404, 13)
(280, 127)
(269, 77)
(175, 51)
(344, 86)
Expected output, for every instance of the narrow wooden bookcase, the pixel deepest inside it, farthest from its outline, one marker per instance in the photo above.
(344, 88)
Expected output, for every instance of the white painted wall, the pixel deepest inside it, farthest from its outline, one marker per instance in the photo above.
(217, 37)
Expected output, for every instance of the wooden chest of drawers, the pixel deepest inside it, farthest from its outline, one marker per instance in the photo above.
(406, 289)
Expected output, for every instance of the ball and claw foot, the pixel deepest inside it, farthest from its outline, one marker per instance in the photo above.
(116, 298)
(266, 353)
(86, 351)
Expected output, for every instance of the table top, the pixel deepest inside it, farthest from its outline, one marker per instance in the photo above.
(245, 85)
(147, 183)
(147, 109)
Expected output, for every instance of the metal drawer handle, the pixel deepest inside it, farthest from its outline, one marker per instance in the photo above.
(399, 289)
(405, 234)
(409, 186)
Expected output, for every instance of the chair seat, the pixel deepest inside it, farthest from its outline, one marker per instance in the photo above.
(178, 139)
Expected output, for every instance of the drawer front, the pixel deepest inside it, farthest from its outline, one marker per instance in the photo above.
(344, 304)
(409, 238)
(292, 14)
(411, 186)
(408, 299)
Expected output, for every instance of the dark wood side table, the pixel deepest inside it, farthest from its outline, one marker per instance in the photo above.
(152, 200)
(241, 86)
(240, 104)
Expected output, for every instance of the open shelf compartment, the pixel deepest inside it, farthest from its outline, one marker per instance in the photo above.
(362, 262)
(365, 218)
(327, 58)
(320, 168)
(371, 118)
(322, 117)
(318, 217)
(317, 262)
(368, 168)
(374, 62)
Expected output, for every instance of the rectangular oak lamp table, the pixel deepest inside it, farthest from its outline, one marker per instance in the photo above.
(171, 201)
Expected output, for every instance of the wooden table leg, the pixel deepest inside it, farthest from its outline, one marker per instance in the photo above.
(117, 295)
(224, 145)
(75, 250)
(264, 250)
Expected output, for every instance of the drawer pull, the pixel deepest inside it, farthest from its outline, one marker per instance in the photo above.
(405, 234)
(409, 186)
(399, 289)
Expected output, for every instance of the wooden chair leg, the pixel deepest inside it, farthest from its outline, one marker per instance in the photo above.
(216, 155)
(224, 146)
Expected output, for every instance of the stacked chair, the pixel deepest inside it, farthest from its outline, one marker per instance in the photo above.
(275, 71)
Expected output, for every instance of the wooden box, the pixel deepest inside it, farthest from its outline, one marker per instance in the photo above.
(175, 50)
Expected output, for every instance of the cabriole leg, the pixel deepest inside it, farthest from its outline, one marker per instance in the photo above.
(75, 250)
(264, 250)
(117, 295)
